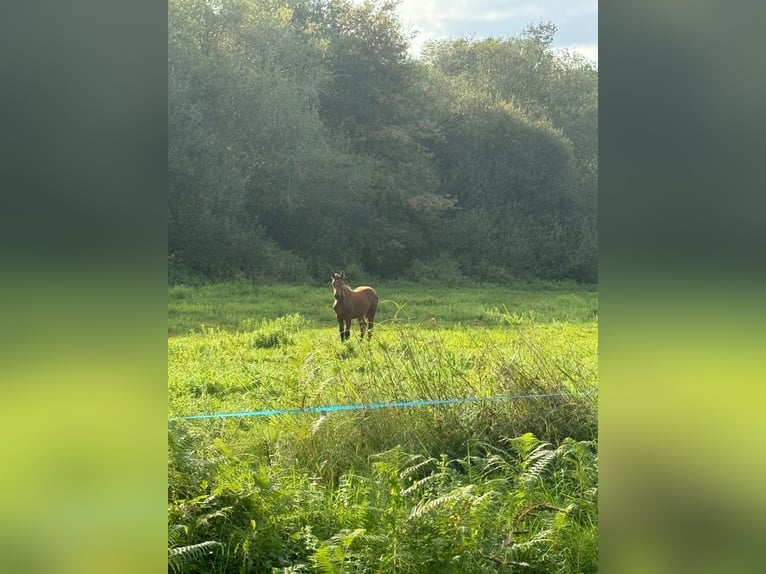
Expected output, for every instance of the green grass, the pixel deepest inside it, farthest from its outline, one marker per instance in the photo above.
(234, 306)
(391, 490)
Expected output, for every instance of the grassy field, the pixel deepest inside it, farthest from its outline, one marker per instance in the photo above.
(506, 478)
(238, 306)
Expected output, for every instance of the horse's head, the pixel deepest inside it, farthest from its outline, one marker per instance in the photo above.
(337, 286)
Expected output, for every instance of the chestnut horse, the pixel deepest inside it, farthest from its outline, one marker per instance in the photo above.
(360, 303)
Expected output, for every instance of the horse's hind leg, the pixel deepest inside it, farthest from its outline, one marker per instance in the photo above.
(362, 327)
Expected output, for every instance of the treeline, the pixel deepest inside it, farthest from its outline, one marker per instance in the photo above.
(304, 138)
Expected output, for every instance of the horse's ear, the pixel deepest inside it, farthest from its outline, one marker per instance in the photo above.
(342, 274)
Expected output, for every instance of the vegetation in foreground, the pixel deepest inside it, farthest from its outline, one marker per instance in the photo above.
(495, 485)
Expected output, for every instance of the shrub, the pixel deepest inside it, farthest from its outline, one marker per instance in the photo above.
(443, 270)
(278, 332)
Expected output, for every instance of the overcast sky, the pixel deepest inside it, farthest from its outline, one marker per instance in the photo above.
(576, 20)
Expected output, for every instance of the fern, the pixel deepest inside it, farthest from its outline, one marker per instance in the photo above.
(328, 559)
(462, 493)
(179, 557)
(536, 462)
(332, 556)
(420, 484)
(417, 467)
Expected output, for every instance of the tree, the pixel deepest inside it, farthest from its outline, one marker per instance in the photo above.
(375, 103)
(303, 137)
(521, 149)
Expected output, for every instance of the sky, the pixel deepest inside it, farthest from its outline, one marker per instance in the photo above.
(576, 21)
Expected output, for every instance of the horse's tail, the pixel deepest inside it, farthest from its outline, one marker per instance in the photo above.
(373, 307)
(371, 313)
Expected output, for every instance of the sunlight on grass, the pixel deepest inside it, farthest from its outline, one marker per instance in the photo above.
(525, 361)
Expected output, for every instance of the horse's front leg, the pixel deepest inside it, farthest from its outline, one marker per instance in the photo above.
(347, 332)
(340, 328)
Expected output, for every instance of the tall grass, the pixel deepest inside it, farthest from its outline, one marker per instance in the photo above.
(504, 481)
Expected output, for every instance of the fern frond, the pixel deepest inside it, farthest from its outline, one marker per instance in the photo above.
(524, 445)
(180, 556)
(346, 537)
(436, 503)
(327, 557)
(417, 484)
(205, 519)
(541, 537)
(537, 462)
(495, 464)
(174, 533)
(415, 468)
(486, 496)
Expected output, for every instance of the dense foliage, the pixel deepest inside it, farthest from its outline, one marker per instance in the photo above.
(304, 138)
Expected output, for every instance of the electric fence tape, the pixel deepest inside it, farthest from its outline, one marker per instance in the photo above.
(396, 404)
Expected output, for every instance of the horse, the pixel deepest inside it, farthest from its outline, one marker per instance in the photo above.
(360, 303)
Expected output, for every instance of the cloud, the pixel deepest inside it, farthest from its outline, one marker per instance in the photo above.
(589, 51)
(442, 19)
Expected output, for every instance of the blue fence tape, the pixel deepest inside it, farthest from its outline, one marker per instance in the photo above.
(400, 404)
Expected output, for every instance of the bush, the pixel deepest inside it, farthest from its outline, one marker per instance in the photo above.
(442, 270)
(179, 273)
(278, 332)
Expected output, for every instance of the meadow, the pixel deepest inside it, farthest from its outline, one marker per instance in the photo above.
(505, 480)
